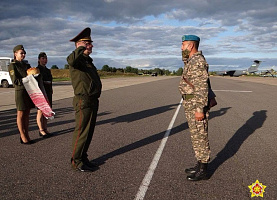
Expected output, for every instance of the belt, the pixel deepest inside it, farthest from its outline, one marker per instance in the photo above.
(187, 96)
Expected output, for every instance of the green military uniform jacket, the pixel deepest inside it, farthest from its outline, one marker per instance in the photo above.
(83, 73)
(194, 80)
(18, 70)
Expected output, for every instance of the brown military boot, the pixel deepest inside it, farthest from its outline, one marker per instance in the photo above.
(200, 174)
(194, 169)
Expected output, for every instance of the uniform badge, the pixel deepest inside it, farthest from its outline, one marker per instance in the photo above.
(12, 72)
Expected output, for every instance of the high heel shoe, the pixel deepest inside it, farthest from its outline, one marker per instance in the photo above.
(47, 133)
(29, 142)
(41, 135)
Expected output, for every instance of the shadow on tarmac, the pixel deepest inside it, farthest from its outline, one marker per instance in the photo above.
(8, 120)
(8, 124)
(138, 115)
(151, 139)
(233, 145)
(143, 142)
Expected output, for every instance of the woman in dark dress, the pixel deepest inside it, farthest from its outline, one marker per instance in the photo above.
(18, 70)
(47, 83)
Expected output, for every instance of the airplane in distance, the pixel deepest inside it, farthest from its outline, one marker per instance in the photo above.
(268, 73)
(252, 69)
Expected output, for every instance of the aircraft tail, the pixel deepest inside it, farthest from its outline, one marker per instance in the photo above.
(254, 67)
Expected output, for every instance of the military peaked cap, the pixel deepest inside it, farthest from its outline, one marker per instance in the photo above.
(42, 54)
(19, 47)
(190, 38)
(84, 35)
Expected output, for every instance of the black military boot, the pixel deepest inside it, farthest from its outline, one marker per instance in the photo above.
(200, 174)
(192, 170)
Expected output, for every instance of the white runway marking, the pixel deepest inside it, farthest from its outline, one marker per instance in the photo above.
(231, 91)
(148, 177)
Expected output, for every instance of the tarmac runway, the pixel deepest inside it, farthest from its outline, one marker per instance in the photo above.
(142, 144)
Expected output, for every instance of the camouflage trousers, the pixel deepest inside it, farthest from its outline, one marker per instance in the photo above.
(198, 131)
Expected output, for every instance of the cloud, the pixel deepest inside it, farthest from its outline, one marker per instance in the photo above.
(142, 33)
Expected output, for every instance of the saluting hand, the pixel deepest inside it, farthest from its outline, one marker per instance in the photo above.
(80, 43)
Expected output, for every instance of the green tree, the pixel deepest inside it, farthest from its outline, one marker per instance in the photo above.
(130, 69)
(54, 67)
(120, 70)
(167, 72)
(106, 68)
(66, 66)
(113, 69)
(159, 71)
(179, 72)
(135, 70)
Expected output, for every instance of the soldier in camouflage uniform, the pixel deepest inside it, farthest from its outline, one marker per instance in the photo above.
(194, 88)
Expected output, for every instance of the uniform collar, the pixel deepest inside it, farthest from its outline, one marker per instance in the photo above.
(196, 54)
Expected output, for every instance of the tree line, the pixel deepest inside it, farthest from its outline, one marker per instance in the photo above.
(129, 69)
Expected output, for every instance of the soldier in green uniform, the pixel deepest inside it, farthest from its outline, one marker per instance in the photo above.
(18, 70)
(87, 89)
(194, 87)
(46, 76)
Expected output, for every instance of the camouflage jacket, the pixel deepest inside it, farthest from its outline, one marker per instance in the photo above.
(194, 80)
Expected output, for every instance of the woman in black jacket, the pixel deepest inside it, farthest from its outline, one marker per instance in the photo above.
(47, 83)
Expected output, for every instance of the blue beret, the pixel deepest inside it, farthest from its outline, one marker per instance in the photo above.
(190, 38)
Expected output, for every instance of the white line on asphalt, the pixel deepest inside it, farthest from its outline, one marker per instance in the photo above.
(146, 181)
(231, 91)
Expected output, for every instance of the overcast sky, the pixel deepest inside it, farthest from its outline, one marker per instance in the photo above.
(143, 33)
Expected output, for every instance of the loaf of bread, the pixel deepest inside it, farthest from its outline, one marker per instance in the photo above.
(33, 70)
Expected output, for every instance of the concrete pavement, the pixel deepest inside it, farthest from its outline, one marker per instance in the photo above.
(64, 89)
(131, 124)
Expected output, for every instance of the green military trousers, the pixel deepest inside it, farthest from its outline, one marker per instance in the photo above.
(198, 131)
(85, 119)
